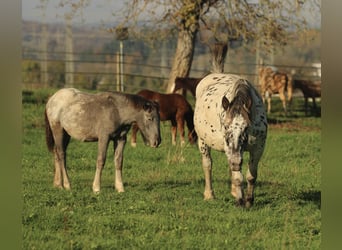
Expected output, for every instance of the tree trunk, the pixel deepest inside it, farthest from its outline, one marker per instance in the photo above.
(183, 58)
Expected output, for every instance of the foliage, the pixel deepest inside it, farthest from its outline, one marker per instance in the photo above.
(163, 206)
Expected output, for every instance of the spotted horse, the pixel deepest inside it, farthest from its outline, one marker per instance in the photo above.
(230, 117)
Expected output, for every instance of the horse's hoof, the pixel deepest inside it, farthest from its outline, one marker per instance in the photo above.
(134, 144)
(209, 195)
(249, 202)
(240, 203)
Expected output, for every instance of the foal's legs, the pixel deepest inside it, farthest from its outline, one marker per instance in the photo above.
(207, 169)
(61, 179)
(118, 159)
(173, 132)
(135, 130)
(101, 160)
(180, 126)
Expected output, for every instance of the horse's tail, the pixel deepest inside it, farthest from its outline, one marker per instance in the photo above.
(50, 142)
(189, 118)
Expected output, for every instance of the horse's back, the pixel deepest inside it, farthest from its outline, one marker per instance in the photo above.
(208, 108)
(81, 114)
(60, 100)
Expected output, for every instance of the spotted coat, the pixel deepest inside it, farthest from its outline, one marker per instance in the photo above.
(212, 129)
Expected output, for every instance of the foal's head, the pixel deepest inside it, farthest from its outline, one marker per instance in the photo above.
(149, 122)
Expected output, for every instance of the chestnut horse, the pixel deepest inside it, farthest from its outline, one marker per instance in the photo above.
(101, 117)
(186, 83)
(174, 108)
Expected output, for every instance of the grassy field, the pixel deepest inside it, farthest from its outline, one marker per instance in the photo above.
(163, 206)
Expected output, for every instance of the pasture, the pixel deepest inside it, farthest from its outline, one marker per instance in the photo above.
(163, 206)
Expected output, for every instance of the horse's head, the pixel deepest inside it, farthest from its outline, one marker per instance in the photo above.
(149, 124)
(235, 125)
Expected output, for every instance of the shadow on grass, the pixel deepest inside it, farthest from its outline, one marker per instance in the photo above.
(313, 196)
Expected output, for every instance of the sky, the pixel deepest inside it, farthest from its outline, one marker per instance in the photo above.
(98, 11)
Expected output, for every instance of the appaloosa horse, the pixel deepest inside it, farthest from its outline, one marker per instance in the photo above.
(273, 82)
(174, 108)
(230, 117)
(98, 117)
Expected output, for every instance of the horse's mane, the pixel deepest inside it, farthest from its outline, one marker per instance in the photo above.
(135, 100)
(242, 101)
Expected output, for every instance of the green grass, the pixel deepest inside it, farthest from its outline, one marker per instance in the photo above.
(163, 206)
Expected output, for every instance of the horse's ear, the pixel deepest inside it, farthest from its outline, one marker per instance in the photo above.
(225, 102)
(247, 106)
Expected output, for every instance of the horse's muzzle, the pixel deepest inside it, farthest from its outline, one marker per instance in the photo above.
(156, 143)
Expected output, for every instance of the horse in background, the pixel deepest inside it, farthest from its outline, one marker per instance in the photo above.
(101, 117)
(273, 82)
(174, 108)
(186, 83)
(230, 117)
(310, 89)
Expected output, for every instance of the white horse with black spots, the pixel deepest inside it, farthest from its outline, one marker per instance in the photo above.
(230, 117)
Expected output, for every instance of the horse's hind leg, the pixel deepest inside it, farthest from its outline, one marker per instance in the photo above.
(268, 99)
(173, 132)
(62, 139)
(283, 100)
(180, 126)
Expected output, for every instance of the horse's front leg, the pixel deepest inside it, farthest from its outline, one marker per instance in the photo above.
(135, 130)
(252, 174)
(235, 163)
(118, 160)
(101, 160)
(207, 169)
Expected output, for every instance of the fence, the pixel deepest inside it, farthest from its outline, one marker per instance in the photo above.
(102, 71)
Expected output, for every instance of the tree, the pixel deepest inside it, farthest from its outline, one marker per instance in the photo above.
(267, 21)
(218, 21)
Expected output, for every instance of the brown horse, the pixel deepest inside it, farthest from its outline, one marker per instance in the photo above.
(310, 89)
(101, 117)
(186, 83)
(273, 82)
(174, 108)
